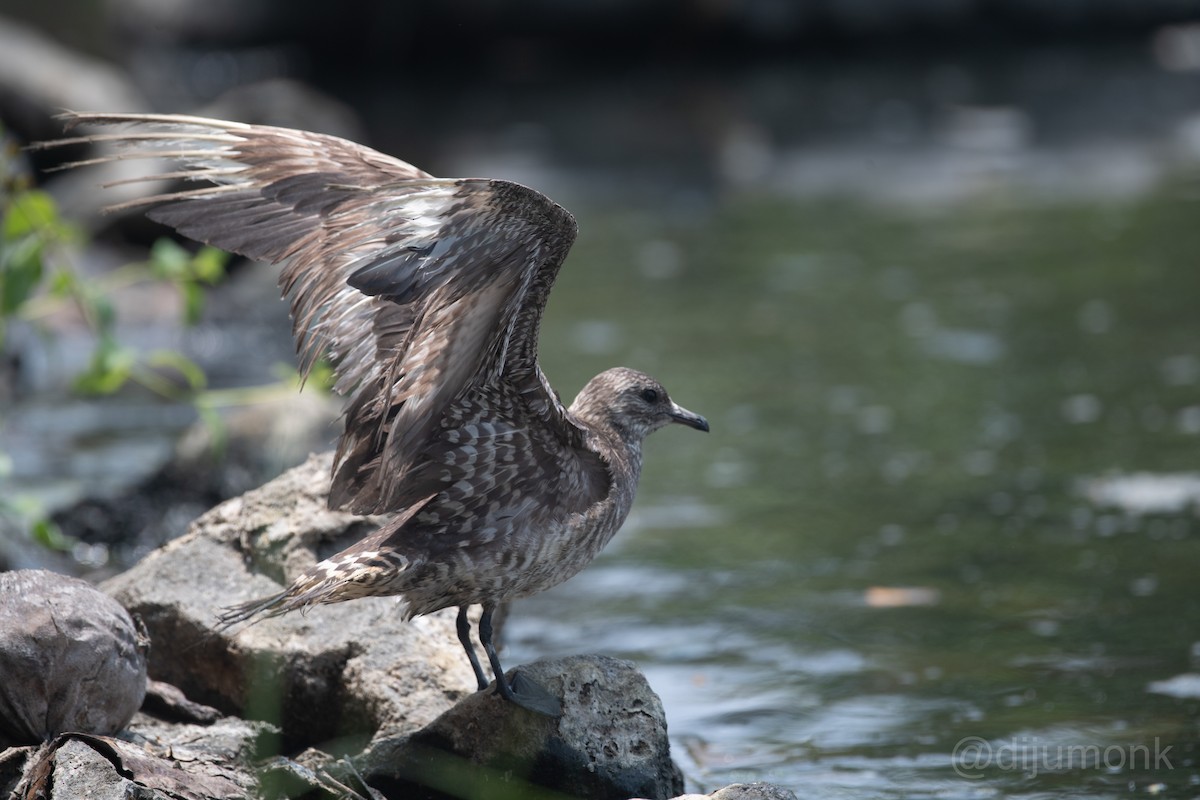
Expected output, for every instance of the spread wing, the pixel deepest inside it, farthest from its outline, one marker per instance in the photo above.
(422, 291)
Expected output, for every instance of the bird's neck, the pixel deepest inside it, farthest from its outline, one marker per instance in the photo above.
(623, 460)
(623, 456)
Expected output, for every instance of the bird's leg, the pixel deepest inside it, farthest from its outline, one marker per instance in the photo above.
(523, 691)
(464, 636)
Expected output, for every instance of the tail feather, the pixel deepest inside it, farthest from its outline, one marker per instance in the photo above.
(343, 577)
(263, 608)
(366, 568)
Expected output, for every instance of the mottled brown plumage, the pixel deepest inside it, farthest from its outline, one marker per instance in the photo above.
(426, 294)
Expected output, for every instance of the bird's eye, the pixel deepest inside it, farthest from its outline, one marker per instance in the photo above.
(650, 395)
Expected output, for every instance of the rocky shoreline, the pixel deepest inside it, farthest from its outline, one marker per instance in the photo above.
(344, 701)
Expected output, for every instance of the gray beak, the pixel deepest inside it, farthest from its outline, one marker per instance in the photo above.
(684, 417)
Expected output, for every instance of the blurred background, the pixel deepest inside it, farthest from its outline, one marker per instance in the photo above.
(929, 268)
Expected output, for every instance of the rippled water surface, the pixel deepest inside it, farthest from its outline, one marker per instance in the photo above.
(942, 539)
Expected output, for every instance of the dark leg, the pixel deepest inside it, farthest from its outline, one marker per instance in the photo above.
(464, 636)
(523, 692)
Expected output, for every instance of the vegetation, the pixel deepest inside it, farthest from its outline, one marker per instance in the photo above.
(39, 277)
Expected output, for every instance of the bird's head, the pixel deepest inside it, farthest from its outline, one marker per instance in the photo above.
(632, 403)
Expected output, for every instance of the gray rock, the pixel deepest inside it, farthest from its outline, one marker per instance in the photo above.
(80, 771)
(167, 702)
(264, 439)
(354, 679)
(753, 791)
(744, 791)
(345, 672)
(71, 657)
(610, 742)
(344, 679)
(181, 762)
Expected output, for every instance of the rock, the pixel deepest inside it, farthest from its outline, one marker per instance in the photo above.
(335, 677)
(71, 657)
(79, 771)
(610, 742)
(252, 445)
(156, 760)
(349, 679)
(345, 680)
(167, 702)
(753, 791)
(353, 679)
(744, 791)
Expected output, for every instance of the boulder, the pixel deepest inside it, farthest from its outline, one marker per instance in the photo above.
(152, 760)
(609, 744)
(355, 680)
(335, 676)
(745, 791)
(753, 791)
(71, 657)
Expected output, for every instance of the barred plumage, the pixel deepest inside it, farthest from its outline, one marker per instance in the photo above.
(427, 295)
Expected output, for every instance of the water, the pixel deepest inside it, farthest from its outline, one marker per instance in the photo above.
(942, 539)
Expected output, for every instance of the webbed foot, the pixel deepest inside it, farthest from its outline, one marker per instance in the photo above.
(530, 695)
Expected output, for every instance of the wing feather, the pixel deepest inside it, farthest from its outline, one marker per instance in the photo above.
(420, 290)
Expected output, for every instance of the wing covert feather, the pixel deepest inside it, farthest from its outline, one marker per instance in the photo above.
(422, 291)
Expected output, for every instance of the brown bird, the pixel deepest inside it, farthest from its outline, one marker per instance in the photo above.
(426, 294)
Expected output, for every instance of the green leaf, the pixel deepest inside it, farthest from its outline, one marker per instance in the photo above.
(193, 302)
(169, 259)
(218, 434)
(20, 273)
(100, 309)
(191, 372)
(63, 283)
(208, 265)
(321, 376)
(49, 535)
(110, 368)
(30, 212)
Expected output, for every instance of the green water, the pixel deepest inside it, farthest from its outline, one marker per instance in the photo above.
(905, 400)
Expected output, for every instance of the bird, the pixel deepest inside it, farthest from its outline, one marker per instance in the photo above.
(426, 296)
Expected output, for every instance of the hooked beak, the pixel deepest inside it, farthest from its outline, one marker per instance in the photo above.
(684, 417)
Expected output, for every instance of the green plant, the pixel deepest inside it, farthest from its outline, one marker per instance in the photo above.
(38, 277)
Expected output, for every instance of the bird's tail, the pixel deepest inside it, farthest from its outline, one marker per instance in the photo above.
(346, 576)
(262, 608)
(373, 566)
(308, 590)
